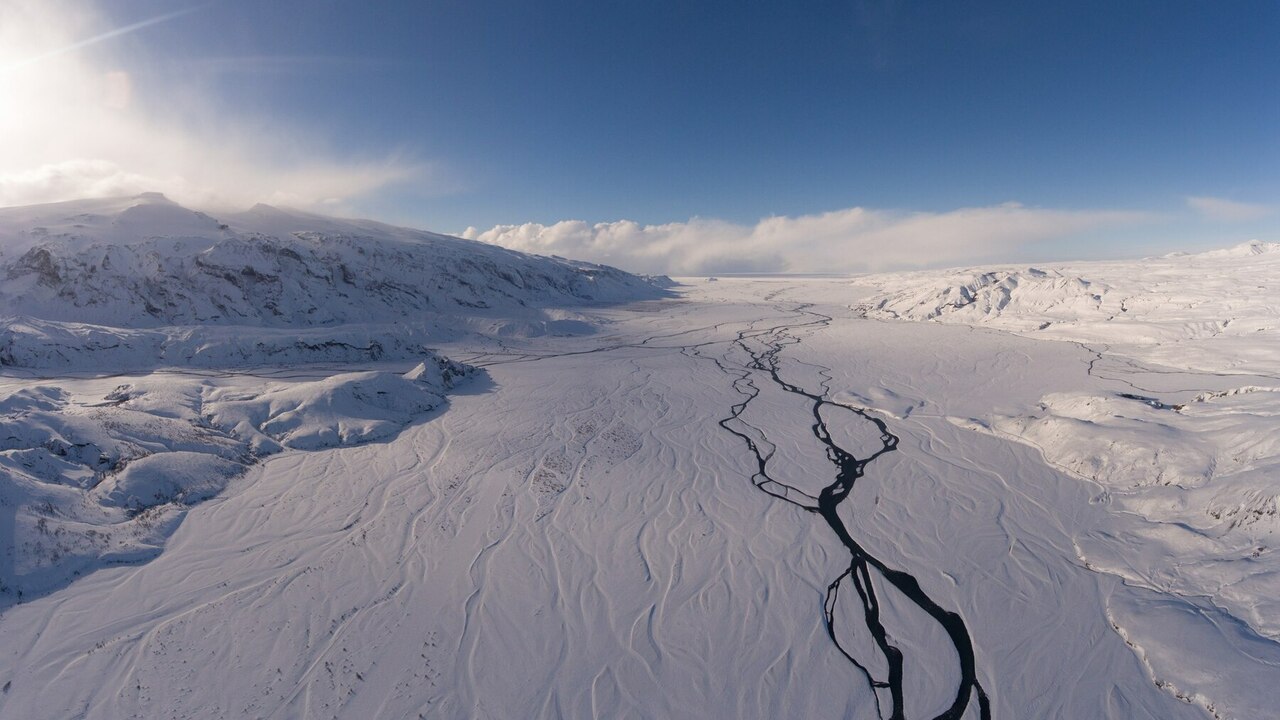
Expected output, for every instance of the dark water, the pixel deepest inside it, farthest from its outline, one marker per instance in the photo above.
(866, 572)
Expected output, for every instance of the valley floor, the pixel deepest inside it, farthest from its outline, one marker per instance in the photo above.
(577, 535)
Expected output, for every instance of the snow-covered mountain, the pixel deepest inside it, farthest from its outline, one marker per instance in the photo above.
(100, 472)
(113, 278)
(146, 262)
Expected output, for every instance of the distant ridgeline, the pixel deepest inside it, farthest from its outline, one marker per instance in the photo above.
(1173, 297)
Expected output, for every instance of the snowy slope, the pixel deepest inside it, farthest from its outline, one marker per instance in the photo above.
(148, 262)
(1229, 296)
(100, 471)
(106, 283)
(1179, 434)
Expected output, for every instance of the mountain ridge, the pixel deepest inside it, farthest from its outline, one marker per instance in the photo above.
(148, 262)
(141, 281)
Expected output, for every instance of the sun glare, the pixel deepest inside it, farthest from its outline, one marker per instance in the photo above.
(85, 127)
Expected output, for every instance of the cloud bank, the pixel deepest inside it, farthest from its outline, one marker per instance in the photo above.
(852, 240)
(78, 121)
(1225, 210)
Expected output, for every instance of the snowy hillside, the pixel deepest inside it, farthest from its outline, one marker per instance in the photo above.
(1230, 295)
(113, 278)
(147, 262)
(100, 471)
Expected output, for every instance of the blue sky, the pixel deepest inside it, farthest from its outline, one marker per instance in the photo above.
(457, 114)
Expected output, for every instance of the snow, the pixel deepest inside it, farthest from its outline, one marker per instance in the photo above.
(554, 523)
(130, 283)
(1227, 301)
(92, 463)
(1179, 432)
(581, 539)
(342, 409)
(97, 470)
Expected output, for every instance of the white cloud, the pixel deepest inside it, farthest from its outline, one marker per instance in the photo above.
(851, 240)
(78, 121)
(71, 179)
(1228, 210)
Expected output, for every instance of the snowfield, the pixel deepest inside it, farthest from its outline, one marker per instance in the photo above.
(1180, 433)
(1214, 311)
(95, 476)
(758, 498)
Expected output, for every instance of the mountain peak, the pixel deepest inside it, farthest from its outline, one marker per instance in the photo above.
(153, 197)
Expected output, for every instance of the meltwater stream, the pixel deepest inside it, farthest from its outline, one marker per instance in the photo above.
(864, 568)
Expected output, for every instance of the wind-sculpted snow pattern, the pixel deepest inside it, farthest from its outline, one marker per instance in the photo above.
(581, 535)
(92, 477)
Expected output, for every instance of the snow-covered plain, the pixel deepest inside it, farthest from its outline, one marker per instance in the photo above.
(584, 530)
